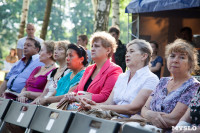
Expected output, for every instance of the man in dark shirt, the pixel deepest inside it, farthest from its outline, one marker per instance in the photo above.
(119, 56)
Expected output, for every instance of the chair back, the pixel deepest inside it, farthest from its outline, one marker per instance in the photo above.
(20, 114)
(88, 124)
(4, 105)
(50, 120)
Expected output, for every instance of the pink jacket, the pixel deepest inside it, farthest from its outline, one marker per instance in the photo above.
(103, 83)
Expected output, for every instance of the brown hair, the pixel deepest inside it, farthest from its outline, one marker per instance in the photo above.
(182, 46)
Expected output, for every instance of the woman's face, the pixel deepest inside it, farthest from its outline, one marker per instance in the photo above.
(178, 63)
(133, 56)
(12, 52)
(153, 47)
(44, 55)
(98, 52)
(73, 60)
(59, 53)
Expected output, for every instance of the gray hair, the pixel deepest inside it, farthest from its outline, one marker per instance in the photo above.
(144, 47)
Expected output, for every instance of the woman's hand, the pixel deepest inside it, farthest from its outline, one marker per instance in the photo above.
(156, 119)
(83, 94)
(41, 101)
(67, 97)
(22, 99)
(87, 104)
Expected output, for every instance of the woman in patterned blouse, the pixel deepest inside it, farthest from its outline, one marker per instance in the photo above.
(168, 103)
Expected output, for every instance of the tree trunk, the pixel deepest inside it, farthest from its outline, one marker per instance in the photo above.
(24, 16)
(115, 11)
(101, 11)
(46, 19)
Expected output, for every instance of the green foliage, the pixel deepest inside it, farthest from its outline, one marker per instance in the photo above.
(69, 18)
(10, 11)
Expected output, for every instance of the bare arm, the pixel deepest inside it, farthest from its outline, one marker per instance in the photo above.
(19, 53)
(133, 108)
(52, 99)
(156, 68)
(154, 117)
(186, 116)
(3, 87)
(172, 118)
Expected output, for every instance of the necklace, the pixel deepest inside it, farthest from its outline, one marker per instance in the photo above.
(62, 68)
(48, 66)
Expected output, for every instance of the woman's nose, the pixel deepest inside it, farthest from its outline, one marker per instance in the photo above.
(176, 59)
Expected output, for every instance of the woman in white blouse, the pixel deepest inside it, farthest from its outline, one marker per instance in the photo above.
(133, 87)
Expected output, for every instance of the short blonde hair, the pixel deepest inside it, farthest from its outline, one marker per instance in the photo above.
(106, 39)
(181, 46)
(50, 47)
(64, 44)
(144, 47)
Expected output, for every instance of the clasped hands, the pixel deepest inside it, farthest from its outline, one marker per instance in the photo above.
(156, 119)
(75, 97)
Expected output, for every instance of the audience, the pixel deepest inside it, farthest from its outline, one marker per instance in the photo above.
(83, 41)
(16, 78)
(99, 78)
(76, 62)
(119, 56)
(132, 88)
(156, 61)
(59, 56)
(168, 103)
(37, 80)
(30, 30)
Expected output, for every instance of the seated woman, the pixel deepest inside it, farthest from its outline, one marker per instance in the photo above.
(132, 88)
(168, 103)
(60, 50)
(156, 61)
(192, 115)
(76, 61)
(99, 78)
(37, 80)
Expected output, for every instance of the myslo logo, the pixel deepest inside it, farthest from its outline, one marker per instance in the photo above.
(184, 128)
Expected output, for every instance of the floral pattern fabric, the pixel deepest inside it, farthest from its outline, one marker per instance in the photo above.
(195, 109)
(164, 102)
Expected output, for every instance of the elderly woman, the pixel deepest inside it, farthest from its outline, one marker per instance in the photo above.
(132, 88)
(76, 61)
(60, 50)
(156, 61)
(168, 103)
(37, 80)
(99, 78)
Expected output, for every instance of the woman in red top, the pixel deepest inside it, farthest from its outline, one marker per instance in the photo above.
(99, 79)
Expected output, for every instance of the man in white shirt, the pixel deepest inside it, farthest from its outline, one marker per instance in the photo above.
(83, 41)
(30, 30)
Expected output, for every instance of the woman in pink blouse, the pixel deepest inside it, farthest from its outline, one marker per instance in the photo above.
(37, 80)
(99, 79)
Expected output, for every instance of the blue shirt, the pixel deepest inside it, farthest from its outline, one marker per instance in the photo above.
(159, 59)
(65, 84)
(16, 70)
